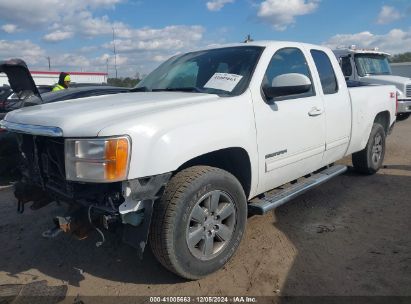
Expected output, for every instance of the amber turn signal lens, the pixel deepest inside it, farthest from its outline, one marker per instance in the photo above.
(116, 156)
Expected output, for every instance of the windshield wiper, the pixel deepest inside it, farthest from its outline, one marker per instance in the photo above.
(185, 89)
(140, 89)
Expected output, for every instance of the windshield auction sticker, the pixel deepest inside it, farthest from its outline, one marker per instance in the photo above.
(223, 81)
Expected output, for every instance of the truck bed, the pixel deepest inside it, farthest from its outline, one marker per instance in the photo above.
(364, 109)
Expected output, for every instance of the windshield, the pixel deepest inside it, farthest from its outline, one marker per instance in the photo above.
(225, 71)
(372, 64)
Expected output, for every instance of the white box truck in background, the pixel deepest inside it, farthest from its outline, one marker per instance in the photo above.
(372, 66)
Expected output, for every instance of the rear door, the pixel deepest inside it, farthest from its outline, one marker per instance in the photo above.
(337, 105)
(290, 130)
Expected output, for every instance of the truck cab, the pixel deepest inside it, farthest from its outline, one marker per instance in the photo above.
(372, 66)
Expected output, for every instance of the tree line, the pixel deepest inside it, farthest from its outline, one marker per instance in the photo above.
(404, 57)
(127, 82)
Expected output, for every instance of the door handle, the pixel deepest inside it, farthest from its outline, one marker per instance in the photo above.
(315, 112)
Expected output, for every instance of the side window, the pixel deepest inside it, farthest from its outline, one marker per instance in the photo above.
(346, 66)
(286, 61)
(326, 72)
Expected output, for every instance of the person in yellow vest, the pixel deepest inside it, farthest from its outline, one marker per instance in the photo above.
(64, 82)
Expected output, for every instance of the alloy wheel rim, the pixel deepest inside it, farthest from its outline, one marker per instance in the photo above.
(211, 225)
(377, 149)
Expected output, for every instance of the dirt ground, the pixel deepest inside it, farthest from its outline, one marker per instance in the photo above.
(350, 236)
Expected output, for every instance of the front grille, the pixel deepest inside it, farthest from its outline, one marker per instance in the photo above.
(43, 165)
(44, 158)
(408, 90)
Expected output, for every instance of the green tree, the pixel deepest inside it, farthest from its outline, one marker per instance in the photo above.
(123, 82)
(404, 57)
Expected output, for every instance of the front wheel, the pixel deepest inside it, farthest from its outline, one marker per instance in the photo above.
(370, 160)
(199, 222)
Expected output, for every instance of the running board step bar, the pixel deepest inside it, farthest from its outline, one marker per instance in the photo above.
(263, 205)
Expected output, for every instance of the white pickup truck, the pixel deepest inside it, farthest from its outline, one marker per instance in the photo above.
(372, 66)
(197, 145)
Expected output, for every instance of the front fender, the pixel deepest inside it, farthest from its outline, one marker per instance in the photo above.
(163, 141)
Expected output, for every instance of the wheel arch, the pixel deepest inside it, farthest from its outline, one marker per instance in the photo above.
(234, 160)
(383, 118)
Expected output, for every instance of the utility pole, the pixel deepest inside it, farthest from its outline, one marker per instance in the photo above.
(48, 58)
(107, 66)
(114, 51)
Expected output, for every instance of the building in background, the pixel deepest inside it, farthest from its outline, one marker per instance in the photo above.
(401, 69)
(51, 78)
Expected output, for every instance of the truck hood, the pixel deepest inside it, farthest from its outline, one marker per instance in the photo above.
(398, 81)
(19, 76)
(86, 117)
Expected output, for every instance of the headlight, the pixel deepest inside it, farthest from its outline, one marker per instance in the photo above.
(97, 160)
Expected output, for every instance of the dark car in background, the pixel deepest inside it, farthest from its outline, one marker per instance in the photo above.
(14, 103)
(23, 92)
(5, 92)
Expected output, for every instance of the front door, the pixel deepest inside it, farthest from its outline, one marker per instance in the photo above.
(290, 129)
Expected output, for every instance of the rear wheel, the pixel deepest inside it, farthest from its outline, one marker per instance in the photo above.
(199, 222)
(370, 160)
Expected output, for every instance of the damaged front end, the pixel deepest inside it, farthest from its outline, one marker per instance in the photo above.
(120, 206)
(87, 175)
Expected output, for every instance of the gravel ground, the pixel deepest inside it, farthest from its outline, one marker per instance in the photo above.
(350, 236)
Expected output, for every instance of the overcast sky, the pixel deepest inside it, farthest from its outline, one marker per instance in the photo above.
(78, 34)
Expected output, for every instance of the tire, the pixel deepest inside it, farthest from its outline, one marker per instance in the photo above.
(185, 213)
(402, 116)
(369, 160)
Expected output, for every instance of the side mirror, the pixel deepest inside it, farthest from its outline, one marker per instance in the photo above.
(287, 84)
